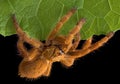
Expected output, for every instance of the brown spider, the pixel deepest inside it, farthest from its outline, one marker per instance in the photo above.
(38, 60)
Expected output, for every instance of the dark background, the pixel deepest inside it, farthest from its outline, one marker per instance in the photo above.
(99, 65)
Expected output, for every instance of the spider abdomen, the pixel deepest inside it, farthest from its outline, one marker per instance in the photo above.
(33, 69)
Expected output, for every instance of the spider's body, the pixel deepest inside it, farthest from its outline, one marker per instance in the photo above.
(52, 51)
(38, 61)
(41, 60)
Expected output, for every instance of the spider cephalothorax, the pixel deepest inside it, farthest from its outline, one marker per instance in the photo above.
(38, 60)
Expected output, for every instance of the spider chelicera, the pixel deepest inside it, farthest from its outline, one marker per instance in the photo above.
(38, 60)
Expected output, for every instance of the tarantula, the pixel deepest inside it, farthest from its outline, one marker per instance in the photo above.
(38, 60)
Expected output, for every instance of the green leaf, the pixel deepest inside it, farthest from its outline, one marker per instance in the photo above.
(38, 17)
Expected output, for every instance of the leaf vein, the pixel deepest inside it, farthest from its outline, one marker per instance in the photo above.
(11, 5)
(38, 7)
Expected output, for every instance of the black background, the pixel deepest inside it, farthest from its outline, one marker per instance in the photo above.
(99, 65)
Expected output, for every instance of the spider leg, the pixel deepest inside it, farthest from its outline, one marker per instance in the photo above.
(87, 43)
(22, 35)
(21, 48)
(76, 42)
(67, 61)
(71, 35)
(83, 52)
(101, 42)
(24, 52)
(31, 54)
(48, 70)
(58, 26)
(75, 30)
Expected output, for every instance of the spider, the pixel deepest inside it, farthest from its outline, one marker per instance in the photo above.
(38, 60)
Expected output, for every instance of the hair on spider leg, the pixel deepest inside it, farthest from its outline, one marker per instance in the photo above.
(96, 38)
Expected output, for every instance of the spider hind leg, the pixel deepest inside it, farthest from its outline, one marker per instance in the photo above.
(23, 36)
(80, 53)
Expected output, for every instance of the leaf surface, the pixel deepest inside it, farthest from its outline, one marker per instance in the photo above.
(38, 17)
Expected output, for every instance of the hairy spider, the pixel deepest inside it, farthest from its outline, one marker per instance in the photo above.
(38, 60)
